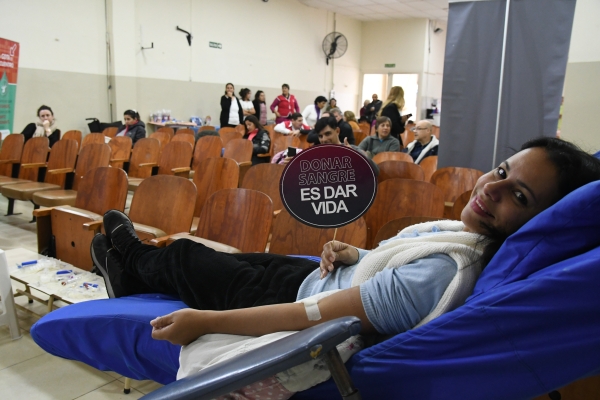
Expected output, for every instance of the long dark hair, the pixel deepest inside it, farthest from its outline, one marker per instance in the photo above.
(257, 96)
(255, 121)
(575, 168)
(133, 114)
(42, 108)
(243, 93)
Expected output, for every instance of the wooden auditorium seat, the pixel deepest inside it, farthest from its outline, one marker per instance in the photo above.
(391, 169)
(454, 181)
(162, 205)
(144, 157)
(206, 147)
(290, 236)
(66, 232)
(10, 155)
(110, 132)
(175, 159)
(92, 156)
(241, 151)
(460, 203)
(185, 137)
(429, 165)
(392, 155)
(206, 128)
(120, 151)
(61, 161)
(233, 221)
(186, 131)
(228, 134)
(265, 178)
(397, 198)
(163, 137)
(75, 135)
(93, 138)
(167, 129)
(33, 156)
(213, 174)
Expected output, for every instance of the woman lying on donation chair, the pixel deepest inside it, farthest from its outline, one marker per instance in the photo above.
(391, 289)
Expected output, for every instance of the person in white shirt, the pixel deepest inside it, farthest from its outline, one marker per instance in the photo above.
(247, 106)
(312, 113)
(295, 126)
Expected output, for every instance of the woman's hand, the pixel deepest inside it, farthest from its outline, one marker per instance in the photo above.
(46, 125)
(180, 327)
(277, 113)
(335, 254)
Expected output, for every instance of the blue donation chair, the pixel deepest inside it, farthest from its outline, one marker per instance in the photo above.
(529, 327)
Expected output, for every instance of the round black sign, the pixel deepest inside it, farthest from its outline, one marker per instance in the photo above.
(328, 186)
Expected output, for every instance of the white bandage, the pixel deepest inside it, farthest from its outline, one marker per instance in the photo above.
(312, 309)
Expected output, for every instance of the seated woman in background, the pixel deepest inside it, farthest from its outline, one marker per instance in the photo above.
(312, 113)
(332, 104)
(391, 288)
(383, 141)
(350, 118)
(260, 106)
(45, 126)
(134, 128)
(261, 142)
(247, 106)
(231, 109)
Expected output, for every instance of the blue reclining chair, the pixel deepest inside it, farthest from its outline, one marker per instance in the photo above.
(530, 326)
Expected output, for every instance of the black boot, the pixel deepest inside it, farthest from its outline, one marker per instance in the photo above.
(119, 230)
(108, 262)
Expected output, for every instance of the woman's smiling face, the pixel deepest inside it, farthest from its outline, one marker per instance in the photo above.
(507, 197)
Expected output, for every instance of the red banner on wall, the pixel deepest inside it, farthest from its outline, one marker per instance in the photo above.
(9, 69)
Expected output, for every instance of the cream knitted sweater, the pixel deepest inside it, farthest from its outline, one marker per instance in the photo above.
(463, 247)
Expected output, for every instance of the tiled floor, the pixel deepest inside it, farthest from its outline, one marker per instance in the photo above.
(27, 371)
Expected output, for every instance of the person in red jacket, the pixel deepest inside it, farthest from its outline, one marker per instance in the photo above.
(285, 103)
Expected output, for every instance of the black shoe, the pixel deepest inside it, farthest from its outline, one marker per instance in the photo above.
(119, 230)
(108, 262)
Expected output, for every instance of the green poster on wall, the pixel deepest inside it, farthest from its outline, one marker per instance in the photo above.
(9, 68)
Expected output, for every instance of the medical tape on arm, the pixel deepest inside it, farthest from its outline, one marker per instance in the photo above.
(312, 309)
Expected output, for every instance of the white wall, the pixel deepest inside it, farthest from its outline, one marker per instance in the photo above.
(582, 83)
(62, 58)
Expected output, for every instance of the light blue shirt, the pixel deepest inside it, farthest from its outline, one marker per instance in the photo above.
(395, 299)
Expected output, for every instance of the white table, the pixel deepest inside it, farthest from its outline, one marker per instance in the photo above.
(44, 280)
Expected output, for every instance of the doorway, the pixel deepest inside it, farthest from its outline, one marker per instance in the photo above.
(381, 84)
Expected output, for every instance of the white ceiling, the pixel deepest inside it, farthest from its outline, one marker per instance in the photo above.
(370, 10)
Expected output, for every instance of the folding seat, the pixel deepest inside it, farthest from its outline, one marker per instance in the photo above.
(397, 198)
(175, 159)
(10, 155)
(392, 155)
(429, 165)
(290, 236)
(399, 169)
(75, 135)
(66, 232)
(61, 161)
(232, 221)
(206, 147)
(91, 156)
(34, 155)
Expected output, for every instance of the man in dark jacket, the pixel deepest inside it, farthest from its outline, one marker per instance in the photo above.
(373, 108)
(346, 131)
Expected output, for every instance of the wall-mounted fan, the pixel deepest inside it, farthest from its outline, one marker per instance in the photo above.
(335, 45)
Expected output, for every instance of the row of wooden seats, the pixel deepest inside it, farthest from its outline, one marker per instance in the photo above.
(144, 160)
(397, 198)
